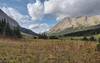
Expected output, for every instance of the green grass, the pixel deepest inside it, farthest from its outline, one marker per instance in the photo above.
(47, 51)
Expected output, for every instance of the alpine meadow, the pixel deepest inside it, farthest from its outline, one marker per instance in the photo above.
(49, 31)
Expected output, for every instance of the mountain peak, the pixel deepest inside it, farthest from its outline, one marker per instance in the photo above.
(81, 21)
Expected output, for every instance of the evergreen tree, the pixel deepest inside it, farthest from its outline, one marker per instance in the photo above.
(6, 30)
(17, 32)
(9, 32)
(4, 27)
(0, 26)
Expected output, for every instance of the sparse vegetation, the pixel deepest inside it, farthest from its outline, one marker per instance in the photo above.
(98, 47)
(53, 37)
(85, 38)
(48, 51)
(92, 38)
(43, 36)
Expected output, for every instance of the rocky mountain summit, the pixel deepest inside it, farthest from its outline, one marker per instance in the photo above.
(81, 21)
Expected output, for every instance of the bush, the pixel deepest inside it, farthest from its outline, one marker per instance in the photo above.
(99, 40)
(85, 38)
(92, 38)
(98, 47)
(71, 39)
(35, 37)
(43, 36)
(53, 37)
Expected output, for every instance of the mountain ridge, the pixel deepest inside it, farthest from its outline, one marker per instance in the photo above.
(81, 21)
(13, 23)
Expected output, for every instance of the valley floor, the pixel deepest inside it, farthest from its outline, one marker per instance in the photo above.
(48, 51)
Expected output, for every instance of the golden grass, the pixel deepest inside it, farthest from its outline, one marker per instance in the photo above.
(47, 51)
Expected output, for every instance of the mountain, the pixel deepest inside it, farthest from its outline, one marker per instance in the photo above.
(74, 22)
(13, 23)
(28, 31)
(8, 19)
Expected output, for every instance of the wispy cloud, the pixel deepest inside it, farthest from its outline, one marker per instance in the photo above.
(40, 28)
(25, 20)
(13, 13)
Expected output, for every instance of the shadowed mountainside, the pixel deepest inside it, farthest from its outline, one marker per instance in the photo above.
(13, 24)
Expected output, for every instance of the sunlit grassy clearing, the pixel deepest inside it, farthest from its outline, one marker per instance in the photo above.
(47, 51)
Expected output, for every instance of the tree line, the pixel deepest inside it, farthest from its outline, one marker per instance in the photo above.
(6, 30)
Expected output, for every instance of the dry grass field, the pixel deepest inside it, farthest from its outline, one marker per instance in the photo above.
(47, 51)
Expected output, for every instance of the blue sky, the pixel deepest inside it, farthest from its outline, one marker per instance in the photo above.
(41, 15)
(21, 7)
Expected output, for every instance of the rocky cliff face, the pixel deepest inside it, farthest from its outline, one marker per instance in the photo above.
(11, 21)
(82, 21)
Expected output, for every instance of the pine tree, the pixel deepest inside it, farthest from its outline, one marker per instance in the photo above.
(0, 26)
(17, 32)
(6, 30)
(4, 27)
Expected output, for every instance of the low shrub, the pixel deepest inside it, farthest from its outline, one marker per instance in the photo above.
(92, 38)
(85, 38)
(53, 37)
(98, 47)
(99, 40)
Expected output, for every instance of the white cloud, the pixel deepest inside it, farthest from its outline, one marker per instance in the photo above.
(58, 6)
(23, 20)
(36, 10)
(64, 8)
(70, 8)
(39, 28)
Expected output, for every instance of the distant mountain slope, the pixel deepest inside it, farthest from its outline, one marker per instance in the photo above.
(28, 31)
(85, 31)
(81, 21)
(13, 23)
